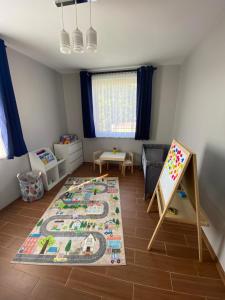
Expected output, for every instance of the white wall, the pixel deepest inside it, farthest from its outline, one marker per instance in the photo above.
(72, 98)
(165, 84)
(39, 96)
(200, 123)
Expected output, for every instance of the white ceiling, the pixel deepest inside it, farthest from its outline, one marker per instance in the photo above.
(131, 32)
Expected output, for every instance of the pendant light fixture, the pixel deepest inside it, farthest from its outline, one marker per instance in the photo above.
(91, 36)
(64, 37)
(77, 35)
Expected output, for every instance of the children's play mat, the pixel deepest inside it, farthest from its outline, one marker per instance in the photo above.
(82, 226)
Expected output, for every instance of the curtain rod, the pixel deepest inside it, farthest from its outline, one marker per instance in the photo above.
(125, 70)
(113, 71)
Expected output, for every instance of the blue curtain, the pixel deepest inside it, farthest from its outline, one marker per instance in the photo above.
(144, 99)
(87, 105)
(10, 128)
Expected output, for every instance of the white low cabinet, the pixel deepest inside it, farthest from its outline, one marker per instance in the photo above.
(72, 153)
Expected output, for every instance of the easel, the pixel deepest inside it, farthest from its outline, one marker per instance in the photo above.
(188, 208)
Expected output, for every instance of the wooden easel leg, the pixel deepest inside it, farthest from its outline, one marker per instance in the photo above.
(151, 201)
(156, 231)
(197, 208)
(199, 243)
(199, 230)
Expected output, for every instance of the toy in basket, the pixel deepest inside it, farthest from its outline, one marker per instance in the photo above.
(68, 138)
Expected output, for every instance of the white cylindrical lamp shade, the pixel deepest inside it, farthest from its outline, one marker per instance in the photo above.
(91, 40)
(65, 47)
(77, 41)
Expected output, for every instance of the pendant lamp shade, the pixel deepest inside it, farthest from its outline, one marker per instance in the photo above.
(65, 42)
(91, 40)
(64, 36)
(77, 41)
(77, 35)
(91, 35)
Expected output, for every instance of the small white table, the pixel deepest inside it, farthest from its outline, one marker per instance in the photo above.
(111, 156)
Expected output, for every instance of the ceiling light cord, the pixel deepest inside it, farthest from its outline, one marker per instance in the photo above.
(90, 13)
(75, 7)
(62, 16)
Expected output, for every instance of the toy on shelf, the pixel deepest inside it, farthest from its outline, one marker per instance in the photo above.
(68, 138)
(45, 156)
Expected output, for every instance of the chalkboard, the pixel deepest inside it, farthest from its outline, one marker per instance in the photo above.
(174, 166)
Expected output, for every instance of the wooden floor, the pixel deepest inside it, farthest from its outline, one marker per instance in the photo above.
(170, 271)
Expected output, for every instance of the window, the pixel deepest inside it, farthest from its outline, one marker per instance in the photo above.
(2, 148)
(3, 128)
(11, 137)
(114, 104)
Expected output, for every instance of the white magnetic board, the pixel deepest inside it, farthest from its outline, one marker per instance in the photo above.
(174, 165)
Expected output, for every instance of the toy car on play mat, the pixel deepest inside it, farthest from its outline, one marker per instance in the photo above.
(115, 256)
(108, 232)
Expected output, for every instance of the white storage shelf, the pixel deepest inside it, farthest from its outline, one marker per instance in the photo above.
(52, 170)
(72, 153)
